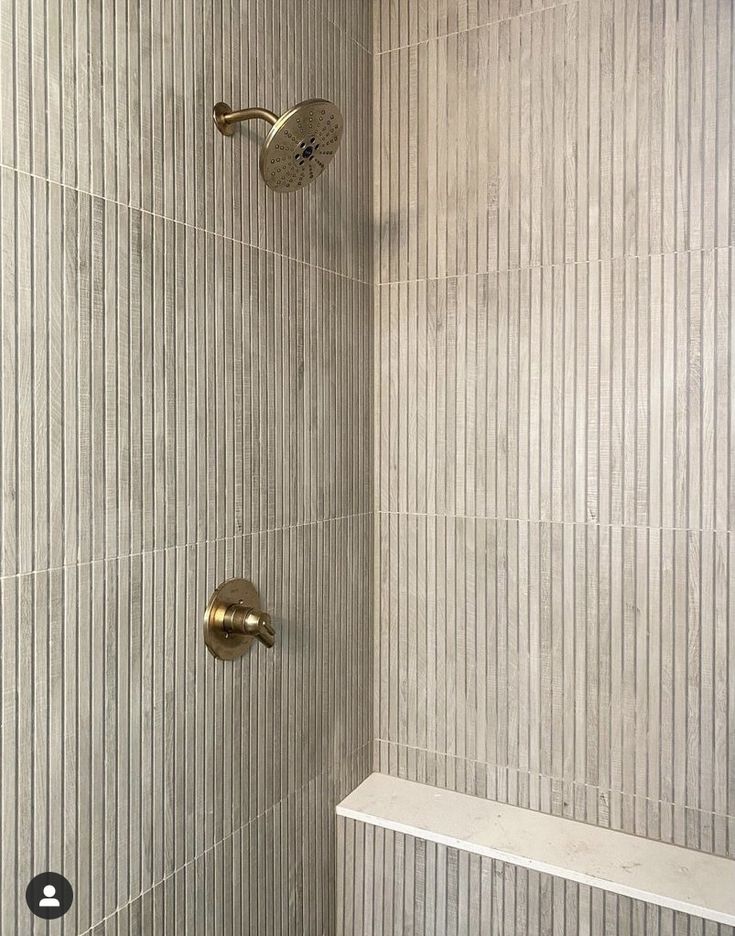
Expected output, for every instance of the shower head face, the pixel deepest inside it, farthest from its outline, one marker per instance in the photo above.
(301, 145)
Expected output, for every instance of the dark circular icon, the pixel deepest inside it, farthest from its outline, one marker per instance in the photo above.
(49, 895)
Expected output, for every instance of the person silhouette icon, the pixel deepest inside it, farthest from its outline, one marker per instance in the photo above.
(49, 895)
(49, 898)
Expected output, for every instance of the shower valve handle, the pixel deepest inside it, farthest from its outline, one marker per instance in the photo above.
(250, 621)
(233, 619)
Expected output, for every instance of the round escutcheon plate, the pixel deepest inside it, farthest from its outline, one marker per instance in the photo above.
(220, 644)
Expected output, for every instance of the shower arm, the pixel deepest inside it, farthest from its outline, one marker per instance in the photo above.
(225, 118)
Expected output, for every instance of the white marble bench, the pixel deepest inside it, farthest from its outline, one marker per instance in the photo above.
(676, 878)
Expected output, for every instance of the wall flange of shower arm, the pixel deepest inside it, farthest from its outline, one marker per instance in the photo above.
(300, 144)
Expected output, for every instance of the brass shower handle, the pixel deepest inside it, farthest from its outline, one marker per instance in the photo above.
(233, 619)
(249, 621)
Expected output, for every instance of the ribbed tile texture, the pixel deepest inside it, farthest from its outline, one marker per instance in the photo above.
(554, 357)
(230, 889)
(128, 751)
(579, 392)
(353, 17)
(580, 669)
(588, 659)
(186, 384)
(591, 130)
(399, 24)
(395, 884)
(172, 386)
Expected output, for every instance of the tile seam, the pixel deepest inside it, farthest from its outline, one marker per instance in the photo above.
(469, 29)
(221, 841)
(618, 258)
(175, 546)
(725, 531)
(529, 773)
(181, 223)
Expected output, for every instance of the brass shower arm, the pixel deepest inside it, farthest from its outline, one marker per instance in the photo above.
(225, 117)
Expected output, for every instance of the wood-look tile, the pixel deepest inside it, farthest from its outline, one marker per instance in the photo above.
(186, 360)
(354, 19)
(590, 392)
(399, 23)
(589, 656)
(162, 386)
(592, 138)
(112, 705)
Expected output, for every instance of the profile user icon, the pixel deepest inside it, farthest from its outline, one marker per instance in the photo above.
(49, 898)
(49, 895)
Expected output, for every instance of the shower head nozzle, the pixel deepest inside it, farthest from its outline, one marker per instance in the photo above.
(300, 144)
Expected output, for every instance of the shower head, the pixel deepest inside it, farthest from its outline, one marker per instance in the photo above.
(300, 144)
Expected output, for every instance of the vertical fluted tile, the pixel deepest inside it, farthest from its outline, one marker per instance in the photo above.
(553, 252)
(185, 395)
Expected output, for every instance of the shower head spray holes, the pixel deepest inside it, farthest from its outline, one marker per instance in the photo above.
(301, 145)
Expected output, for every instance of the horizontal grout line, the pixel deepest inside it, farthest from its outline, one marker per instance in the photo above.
(461, 32)
(530, 773)
(171, 547)
(331, 771)
(556, 265)
(540, 522)
(181, 223)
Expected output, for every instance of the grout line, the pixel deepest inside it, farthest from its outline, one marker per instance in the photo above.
(188, 545)
(541, 521)
(461, 32)
(330, 772)
(613, 258)
(182, 223)
(530, 773)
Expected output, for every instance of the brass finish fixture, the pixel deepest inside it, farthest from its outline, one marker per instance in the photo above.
(233, 620)
(225, 117)
(300, 144)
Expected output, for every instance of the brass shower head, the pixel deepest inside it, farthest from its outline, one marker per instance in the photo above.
(300, 144)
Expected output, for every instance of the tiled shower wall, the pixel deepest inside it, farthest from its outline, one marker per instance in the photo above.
(185, 395)
(555, 195)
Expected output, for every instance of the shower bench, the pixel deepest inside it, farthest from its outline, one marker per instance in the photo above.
(668, 876)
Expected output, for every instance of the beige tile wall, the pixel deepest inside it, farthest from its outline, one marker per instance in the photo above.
(555, 209)
(185, 395)
(555, 200)
(292, 893)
